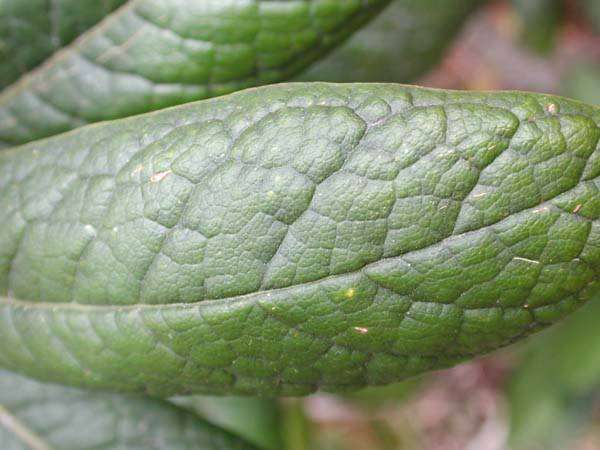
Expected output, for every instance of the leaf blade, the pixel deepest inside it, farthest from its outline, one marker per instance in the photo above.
(441, 284)
(150, 54)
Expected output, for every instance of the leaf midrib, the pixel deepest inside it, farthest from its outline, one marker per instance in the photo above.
(250, 296)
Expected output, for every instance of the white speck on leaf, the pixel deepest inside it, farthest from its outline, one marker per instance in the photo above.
(159, 176)
(90, 229)
(532, 261)
(361, 330)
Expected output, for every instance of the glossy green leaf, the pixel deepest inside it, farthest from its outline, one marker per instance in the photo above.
(35, 416)
(399, 45)
(150, 54)
(296, 237)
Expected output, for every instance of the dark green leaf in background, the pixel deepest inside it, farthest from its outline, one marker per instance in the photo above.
(539, 22)
(150, 54)
(31, 30)
(399, 45)
(35, 416)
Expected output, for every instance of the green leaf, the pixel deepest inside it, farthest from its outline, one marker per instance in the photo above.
(297, 429)
(376, 398)
(551, 394)
(296, 237)
(255, 419)
(35, 416)
(31, 30)
(150, 54)
(399, 45)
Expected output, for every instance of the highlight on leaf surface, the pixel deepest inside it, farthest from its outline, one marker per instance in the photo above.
(296, 237)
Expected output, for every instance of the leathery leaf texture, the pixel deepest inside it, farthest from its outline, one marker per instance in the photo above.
(296, 237)
(149, 54)
(36, 416)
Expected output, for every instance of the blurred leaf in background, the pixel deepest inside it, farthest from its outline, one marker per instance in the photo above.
(553, 392)
(27, 38)
(592, 12)
(404, 42)
(38, 416)
(583, 82)
(376, 397)
(256, 419)
(298, 431)
(539, 22)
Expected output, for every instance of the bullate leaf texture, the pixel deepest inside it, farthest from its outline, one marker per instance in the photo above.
(149, 54)
(296, 237)
(36, 416)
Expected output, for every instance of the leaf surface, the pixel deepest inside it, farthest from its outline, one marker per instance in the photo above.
(296, 237)
(150, 54)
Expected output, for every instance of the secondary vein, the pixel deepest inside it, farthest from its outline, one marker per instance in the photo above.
(14, 425)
